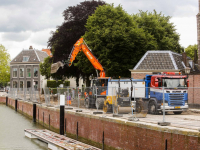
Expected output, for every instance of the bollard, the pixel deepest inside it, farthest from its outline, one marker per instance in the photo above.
(65, 126)
(77, 132)
(49, 121)
(103, 141)
(34, 112)
(15, 104)
(62, 113)
(6, 100)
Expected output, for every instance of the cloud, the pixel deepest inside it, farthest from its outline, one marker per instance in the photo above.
(25, 23)
(41, 37)
(15, 36)
(173, 8)
(23, 15)
(187, 28)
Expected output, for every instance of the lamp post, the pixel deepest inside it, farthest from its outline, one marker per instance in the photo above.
(187, 71)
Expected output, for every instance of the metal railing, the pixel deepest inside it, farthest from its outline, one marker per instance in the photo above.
(163, 105)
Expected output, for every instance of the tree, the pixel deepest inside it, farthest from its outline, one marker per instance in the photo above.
(4, 66)
(115, 40)
(66, 35)
(119, 40)
(190, 51)
(45, 67)
(162, 32)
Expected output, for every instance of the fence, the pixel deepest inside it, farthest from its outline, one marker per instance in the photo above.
(163, 104)
(27, 94)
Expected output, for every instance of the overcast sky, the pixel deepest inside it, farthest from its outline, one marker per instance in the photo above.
(25, 22)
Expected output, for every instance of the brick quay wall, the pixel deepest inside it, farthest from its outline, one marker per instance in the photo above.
(118, 134)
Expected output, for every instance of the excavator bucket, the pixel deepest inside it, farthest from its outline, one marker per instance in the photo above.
(56, 66)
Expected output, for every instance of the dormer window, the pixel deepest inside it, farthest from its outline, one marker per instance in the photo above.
(25, 58)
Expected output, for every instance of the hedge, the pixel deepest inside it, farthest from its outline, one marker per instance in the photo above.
(54, 84)
(54, 90)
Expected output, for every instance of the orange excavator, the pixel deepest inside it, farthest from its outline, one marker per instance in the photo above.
(96, 94)
(80, 45)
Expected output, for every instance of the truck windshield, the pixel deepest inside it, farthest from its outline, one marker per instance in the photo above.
(175, 83)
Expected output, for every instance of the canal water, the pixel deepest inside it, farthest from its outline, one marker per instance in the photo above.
(12, 137)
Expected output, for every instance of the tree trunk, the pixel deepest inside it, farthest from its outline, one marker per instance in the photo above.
(87, 81)
(77, 80)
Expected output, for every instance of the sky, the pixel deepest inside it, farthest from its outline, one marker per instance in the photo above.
(25, 23)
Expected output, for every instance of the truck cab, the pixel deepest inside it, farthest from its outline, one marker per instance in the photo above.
(174, 89)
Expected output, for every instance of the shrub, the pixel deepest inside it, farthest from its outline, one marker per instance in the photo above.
(54, 84)
(67, 83)
(53, 90)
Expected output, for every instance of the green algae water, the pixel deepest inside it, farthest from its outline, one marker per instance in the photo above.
(12, 136)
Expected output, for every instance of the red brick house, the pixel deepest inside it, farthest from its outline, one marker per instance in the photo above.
(160, 61)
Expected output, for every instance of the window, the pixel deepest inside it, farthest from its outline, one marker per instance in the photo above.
(21, 84)
(35, 85)
(25, 58)
(175, 83)
(14, 84)
(21, 72)
(35, 72)
(28, 84)
(28, 72)
(14, 72)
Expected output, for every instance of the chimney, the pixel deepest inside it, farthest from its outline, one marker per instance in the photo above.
(184, 58)
(198, 35)
(30, 47)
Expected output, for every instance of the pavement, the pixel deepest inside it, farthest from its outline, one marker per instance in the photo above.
(3, 93)
(186, 120)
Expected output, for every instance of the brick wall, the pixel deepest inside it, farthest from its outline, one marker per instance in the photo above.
(2, 100)
(117, 134)
(194, 89)
(139, 75)
(198, 34)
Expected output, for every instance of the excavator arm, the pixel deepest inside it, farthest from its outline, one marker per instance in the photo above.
(80, 45)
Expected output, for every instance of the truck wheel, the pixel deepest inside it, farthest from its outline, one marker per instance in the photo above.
(99, 103)
(87, 103)
(152, 109)
(177, 112)
(139, 106)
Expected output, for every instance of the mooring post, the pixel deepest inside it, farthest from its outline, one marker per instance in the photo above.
(15, 104)
(62, 114)
(103, 141)
(34, 112)
(65, 127)
(77, 131)
(6, 100)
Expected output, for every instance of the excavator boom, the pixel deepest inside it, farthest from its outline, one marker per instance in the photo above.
(81, 46)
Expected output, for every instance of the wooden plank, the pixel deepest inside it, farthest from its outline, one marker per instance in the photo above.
(56, 140)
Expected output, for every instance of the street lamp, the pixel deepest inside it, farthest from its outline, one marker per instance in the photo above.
(187, 71)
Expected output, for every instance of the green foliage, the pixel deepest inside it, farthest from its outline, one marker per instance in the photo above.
(45, 67)
(54, 84)
(53, 90)
(115, 40)
(4, 66)
(190, 51)
(67, 83)
(160, 31)
(62, 40)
